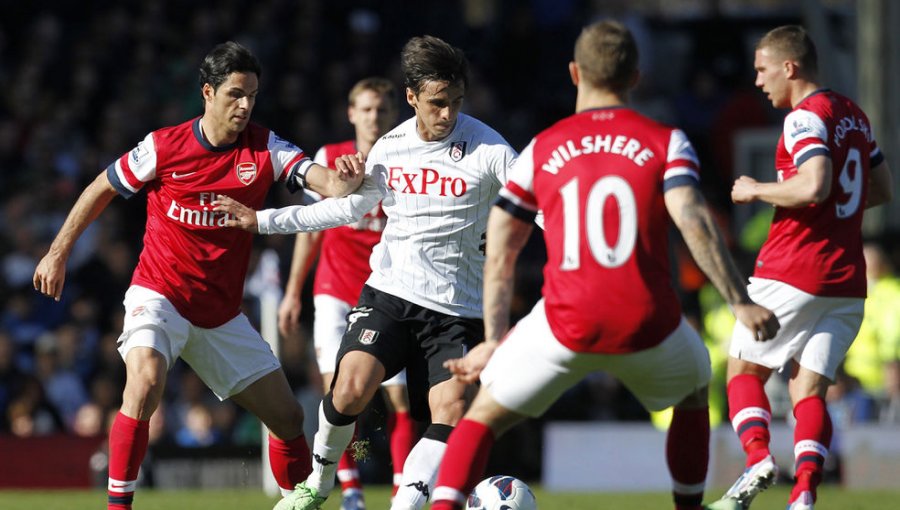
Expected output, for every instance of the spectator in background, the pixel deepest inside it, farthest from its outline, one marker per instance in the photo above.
(878, 341)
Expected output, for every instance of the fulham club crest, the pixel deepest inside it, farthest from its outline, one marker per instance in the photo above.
(457, 150)
(368, 337)
(246, 172)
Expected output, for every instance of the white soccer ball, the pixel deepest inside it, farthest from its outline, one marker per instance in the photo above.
(501, 493)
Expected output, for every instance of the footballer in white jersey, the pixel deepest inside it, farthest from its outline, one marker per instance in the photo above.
(437, 176)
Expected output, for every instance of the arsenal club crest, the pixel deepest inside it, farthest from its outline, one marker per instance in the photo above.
(457, 150)
(246, 172)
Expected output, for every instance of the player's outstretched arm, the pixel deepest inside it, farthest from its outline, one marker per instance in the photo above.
(345, 178)
(881, 186)
(306, 249)
(328, 213)
(688, 210)
(50, 274)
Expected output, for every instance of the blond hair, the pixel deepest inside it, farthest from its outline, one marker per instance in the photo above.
(381, 86)
(792, 42)
(607, 55)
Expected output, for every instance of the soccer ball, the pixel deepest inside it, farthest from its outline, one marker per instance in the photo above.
(501, 493)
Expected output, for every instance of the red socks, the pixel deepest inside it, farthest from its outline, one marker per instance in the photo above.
(290, 461)
(812, 438)
(128, 440)
(463, 466)
(750, 415)
(402, 433)
(687, 454)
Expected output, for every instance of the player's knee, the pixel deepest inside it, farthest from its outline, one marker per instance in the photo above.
(351, 394)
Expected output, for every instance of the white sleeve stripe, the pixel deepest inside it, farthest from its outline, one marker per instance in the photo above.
(681, 170)
(122, 180)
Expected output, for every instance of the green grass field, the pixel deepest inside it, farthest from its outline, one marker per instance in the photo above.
(831, 498)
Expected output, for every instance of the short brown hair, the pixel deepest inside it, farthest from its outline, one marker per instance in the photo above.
(607, 55)
(429, 58)
(792, 42)
(381, 86)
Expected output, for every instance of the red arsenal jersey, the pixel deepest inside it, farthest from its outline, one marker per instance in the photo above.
(189, 256)
(599, 178)
(343, 266)
(818, 248)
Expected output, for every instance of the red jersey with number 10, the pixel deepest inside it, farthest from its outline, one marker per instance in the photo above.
(599, 178)
(344, 260)
(818, 248)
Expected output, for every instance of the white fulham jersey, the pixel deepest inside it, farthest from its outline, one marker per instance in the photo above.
(437, 196)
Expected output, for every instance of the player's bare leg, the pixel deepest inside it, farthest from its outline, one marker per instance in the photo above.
(146, 371)
(272, 401)
(468, 449)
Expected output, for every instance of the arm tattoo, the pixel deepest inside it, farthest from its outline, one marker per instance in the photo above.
(708, 249)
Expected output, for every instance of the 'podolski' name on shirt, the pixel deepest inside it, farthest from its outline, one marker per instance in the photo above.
(624, 146)
(425, 181)
(204, 217)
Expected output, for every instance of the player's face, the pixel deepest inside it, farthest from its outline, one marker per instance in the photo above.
(771, 77)
(229, 106)
(437, 106)
(372, 115)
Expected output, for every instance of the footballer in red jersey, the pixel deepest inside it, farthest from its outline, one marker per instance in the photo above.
(810, 270)
(184, 300)
(607, 180)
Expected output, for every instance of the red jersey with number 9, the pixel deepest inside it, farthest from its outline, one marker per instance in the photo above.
(599, 178)
(818, 248)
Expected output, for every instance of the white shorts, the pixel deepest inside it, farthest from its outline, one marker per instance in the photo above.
(329, 325)
(531, 369)
(228, 358)
(815, 331)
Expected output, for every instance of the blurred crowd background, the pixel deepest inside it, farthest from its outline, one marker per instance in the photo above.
(83, 85)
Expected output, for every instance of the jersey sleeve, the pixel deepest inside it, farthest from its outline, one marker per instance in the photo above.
(503, 158)
(289, 162)
(805, 136)
(321, 158)
(129, 173)
(517, 197)
(876, 157)
(331, 212)
(682, 164)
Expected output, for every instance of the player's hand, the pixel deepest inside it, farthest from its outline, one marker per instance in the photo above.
(289, 315)
(468, 368)
(743, 191)
(350, 166)
(761, 322)
(240, 216)
(50, 276)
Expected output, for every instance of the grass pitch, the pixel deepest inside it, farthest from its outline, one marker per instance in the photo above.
(377, 498)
